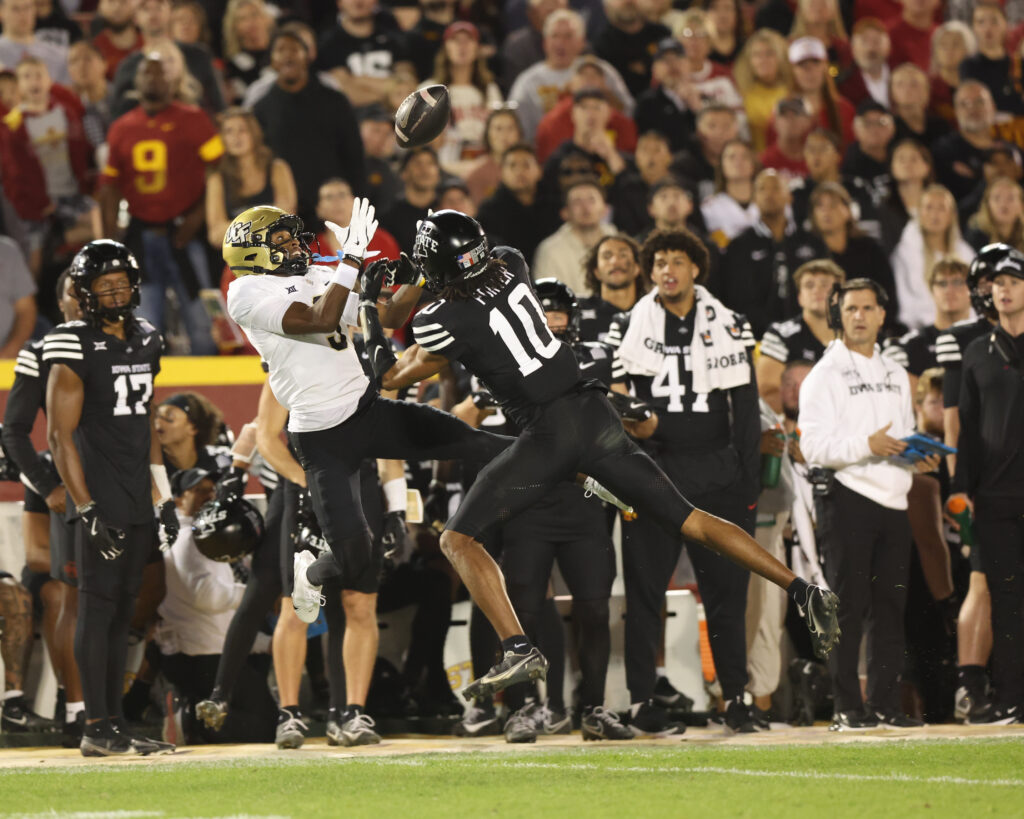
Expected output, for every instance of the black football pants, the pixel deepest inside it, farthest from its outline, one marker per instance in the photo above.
(865, 548)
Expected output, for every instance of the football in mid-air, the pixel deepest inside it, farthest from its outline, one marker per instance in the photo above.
(422, 116)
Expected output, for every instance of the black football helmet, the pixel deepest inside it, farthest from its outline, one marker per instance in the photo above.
(557, 297)
(449, 246)
(226, 532)
(97, 259)
(8, 469)
(991, 259)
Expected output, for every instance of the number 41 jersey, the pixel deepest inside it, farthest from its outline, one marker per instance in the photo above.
(113, 434)
(501, 336)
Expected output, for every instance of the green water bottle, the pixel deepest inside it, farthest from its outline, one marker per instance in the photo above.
(961, 513)
(771, 465)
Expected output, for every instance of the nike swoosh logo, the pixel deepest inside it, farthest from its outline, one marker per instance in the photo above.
(95, 527)
(635, 405)
(22, 721)
(587, 366)
(477, 727)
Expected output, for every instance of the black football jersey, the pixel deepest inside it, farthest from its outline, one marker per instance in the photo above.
(113, 435)
(791, 340)
(949, 353)
(687, 420)
(373, 56)
(596, 316)
(26, 398)
(501, 336)
(914, 351)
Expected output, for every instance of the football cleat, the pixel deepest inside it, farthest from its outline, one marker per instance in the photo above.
(306, 597)
(860, 720)
(513, 668)
(1000, 716)
(668, 696)
(598, 723)
(737, 718)
(212, 712)
(971, 706)
(291, 730)
(356, 729)
(649, 720)
(897, 719)
(549, 721)
(592, 487)
(820, 610)
(143, 746)
(479, 721)
(112, 744)
(17, 717)
(521, 726)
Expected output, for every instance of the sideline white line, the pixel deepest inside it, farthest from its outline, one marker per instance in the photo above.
(710, 769)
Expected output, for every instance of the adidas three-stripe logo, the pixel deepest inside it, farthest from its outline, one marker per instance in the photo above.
(58, 346)
(27, 364)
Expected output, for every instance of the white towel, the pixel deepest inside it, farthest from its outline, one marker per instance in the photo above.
(721, 362)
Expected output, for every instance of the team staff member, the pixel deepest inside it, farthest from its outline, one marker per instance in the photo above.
(990, 471)
(100, 433)
(612, 272)
(855, 406)
(157, 161)
(708, 443)
(46, 496)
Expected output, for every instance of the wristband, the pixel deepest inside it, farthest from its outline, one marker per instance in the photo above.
(353, 259)
(242, 451)
(396, 495)
(163, 486)
(345, 275)
(84, 507)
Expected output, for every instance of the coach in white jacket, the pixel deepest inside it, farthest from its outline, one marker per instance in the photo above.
(855, 406)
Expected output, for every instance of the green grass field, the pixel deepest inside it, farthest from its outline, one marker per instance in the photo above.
(974, 777)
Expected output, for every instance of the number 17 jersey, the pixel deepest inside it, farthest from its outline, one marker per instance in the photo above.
(501, 336)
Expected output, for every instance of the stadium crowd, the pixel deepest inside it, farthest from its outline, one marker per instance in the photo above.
(830, 167)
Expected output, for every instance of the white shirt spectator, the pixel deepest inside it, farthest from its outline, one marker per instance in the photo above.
(917, 308)
(562, 255)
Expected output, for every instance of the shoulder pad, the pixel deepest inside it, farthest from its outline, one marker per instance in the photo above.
(71, 324)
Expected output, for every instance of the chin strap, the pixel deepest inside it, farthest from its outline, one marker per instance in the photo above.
(378, 347)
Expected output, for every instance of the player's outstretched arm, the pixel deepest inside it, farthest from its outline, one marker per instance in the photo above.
(416, 364)
(65, 395)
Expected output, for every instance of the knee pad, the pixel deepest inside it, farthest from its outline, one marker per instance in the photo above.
(590, 612)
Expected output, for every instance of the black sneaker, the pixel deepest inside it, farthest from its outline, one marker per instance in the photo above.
(972, 706)
(1003, 715)
(667, 696)
(598, 723)
(820, 611)
(143, 746)
(897, 719)
(649, 720)
(479, 721)
(513, 668)
(17, 717)
(762, 719)
(111, 744)
(73, 731)
(737, 718)
(853, 721)
(212, 712)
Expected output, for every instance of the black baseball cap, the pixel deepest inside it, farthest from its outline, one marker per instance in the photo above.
(187, 479)
(669, 45)
(871, 106)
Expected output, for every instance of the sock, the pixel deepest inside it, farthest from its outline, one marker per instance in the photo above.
(13, 693)
(353, 711)
(798, 591)
(100, 728)
(136, 651)
(661, 671)
(287, 712)
(72, 710)
(971, 677)
(517, 644)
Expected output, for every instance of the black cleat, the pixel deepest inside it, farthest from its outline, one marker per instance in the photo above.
(853, 721)
(897, 719)
(17, 717)
(668, 696)
(972, 705)
(649, 720)
(112, 744)
(514, 668)
(762, 719)
(143, 746)
(1012, 715)
(212, 712)
(820, 610)
(737, 718)
(598, 723)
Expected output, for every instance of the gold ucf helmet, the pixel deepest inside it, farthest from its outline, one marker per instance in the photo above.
(247, 249)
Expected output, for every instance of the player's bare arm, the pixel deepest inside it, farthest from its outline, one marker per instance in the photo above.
(416, 364)
(65, 395)
(270, 421)
(156, 462)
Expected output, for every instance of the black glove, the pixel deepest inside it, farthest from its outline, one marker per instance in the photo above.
(231, 486)
(372, 279)
(167, 524)
(629, 407)
(482, 399)
(403, 271)
(392, 539)
(108, 541)
(304, 514)
(435, 507)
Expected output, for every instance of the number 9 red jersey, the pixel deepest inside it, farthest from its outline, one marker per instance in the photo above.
(159, 163)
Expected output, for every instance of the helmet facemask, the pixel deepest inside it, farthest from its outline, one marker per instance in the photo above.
(295, 265)
(98, 314)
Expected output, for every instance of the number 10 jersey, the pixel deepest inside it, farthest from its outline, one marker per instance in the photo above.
(501, 336)
(113, 434)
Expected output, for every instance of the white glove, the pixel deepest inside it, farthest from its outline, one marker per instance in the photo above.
(363, 224)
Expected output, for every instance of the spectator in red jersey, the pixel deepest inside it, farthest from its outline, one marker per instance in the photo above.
(911, 36)
(158, 155)
(556, 126)
(247, 175)
(46, 164)
(868, 77)
(821, 19)
(335, 205)
(952, 42)
(119, 36)
(812, 81)
(792, 125)
(87, 71)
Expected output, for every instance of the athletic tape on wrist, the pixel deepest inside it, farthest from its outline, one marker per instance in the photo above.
(345, 276)
(163, 486)
(395, 494)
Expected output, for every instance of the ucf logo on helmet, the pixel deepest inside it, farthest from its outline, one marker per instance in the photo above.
(238, 232)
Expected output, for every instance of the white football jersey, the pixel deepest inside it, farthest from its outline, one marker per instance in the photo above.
(318, 378)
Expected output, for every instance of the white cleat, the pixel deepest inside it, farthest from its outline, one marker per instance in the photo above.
(306, 597)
